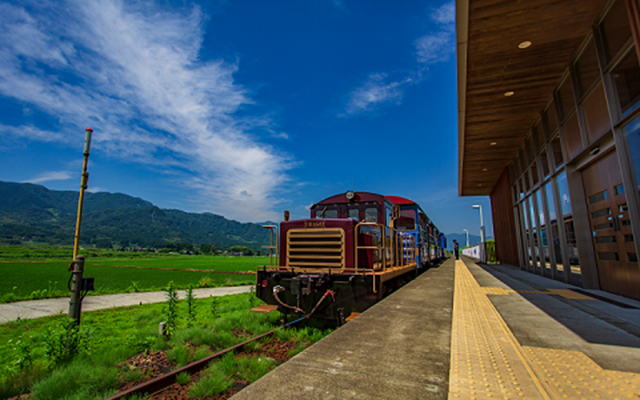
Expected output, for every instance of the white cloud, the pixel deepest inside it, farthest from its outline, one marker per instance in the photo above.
(431, 49)
(32, 133)
(379, 90)
(438, 46)
(375, 92)
(133, 72)
(445, 15)
(50, 176)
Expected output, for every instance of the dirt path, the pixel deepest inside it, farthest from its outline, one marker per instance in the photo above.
(42, 308)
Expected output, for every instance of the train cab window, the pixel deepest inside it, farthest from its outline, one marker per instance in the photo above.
(325, 212)
(353, 213)
(371, 214)
(405, 223)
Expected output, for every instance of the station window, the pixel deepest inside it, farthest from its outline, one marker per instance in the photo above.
(627, 82)
(572, 137)
(633, 138)
(587, 68)
(596, 115)
(535, 135)
(569, 230)
(566, 97)
(552, 117)
(545, 164)
(615, 29)
(552, 230)
(557, 152)
(523, 162)
(534, 173)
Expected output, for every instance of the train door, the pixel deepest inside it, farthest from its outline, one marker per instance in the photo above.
(616, 257)
(388, 233)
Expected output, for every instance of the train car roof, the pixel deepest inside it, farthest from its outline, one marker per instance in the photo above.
(406, 202)
(400, 200)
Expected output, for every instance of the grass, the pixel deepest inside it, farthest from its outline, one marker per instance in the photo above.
(183, 378)
(110, 337)
(114, 272)
(18, 283)
(221, 373)
(217, 263)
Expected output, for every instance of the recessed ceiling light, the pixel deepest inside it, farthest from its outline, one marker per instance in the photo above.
(479, 184)
(493, 143)
(484, 169)
(509, 93)
(524, 44)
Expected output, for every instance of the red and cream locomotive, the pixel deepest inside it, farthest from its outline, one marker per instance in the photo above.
(355, 248)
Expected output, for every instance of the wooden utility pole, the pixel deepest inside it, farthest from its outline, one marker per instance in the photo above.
(83, 186)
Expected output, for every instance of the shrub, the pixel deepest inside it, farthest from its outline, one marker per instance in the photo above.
(183, 378)
(191, 306)
(171, 309)
(133, 375)
(252, 368)
(180, 355)
(212, 383)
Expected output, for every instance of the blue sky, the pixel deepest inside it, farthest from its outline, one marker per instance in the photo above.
(240, 108)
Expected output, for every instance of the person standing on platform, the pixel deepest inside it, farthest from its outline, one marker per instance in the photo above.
(456, 249)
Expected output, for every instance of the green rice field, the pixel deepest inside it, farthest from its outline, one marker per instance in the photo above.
(42, 272)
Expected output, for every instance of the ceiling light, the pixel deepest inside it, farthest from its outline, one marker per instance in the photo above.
(493, 143)
(509, 93)
(484, 169)
(479, 184)
(524, 44)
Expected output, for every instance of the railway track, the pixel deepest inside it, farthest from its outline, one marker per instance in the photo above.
(156, 385)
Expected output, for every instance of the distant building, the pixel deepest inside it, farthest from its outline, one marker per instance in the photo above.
(549, 128)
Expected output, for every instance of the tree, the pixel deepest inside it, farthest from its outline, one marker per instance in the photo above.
(242, 249)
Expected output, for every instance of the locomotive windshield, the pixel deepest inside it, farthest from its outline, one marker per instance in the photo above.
(365, 211)
(326, 212)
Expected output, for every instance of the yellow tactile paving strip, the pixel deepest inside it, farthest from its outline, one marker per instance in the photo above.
(487, 362)
(573, 375)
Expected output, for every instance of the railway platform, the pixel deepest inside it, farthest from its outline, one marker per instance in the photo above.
(472, 331)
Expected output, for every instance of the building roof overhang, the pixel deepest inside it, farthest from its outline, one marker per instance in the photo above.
(492, 126)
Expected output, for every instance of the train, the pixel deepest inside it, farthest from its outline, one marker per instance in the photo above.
(355, 248)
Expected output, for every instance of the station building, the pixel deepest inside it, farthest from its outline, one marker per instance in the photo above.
(549, 128)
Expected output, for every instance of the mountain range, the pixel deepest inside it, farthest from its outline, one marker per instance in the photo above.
(33, 213)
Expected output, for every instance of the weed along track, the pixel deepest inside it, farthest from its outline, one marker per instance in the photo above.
(176, 384)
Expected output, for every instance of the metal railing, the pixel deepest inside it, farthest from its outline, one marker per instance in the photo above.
(273, 248)
(401, 245)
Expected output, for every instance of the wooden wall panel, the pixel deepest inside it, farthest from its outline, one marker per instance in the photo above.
(504, 227)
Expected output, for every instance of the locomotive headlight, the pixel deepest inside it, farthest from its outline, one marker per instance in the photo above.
(350, 195)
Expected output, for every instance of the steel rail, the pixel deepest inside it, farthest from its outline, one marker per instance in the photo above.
(162, 382)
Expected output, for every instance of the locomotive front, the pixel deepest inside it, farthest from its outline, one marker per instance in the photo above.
(338, 262)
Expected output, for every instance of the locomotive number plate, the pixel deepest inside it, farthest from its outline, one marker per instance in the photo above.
(314, 224)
